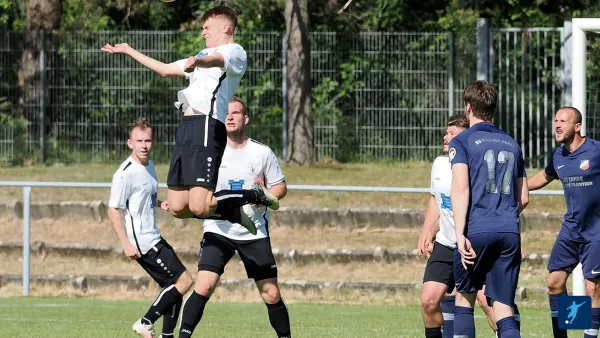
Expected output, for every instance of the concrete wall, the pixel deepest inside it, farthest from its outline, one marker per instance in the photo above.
(286, 216)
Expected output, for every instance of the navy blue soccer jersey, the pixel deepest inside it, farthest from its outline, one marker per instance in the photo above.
(495, 163)
(579, 173)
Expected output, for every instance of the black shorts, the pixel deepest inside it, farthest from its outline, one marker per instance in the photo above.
(439, 267)
(199, 145)
(162, 264)
(256, 254)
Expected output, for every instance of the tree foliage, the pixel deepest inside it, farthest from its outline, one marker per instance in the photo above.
(333, 95)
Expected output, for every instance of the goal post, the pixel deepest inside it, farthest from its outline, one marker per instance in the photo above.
(579, 98)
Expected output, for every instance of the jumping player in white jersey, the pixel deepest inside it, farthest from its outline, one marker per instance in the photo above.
(214, 75)
(244, 161)
(134, 197)
(437, 296)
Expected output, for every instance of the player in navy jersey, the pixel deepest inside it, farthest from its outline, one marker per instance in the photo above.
(489, 190)
(577, 164)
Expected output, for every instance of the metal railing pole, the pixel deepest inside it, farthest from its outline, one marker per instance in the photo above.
(26, 238)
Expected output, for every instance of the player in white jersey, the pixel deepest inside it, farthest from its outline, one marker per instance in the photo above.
(134, 198)
(244, 161)
(437, 296)
(214, 75)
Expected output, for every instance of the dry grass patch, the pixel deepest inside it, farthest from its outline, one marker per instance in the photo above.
(310, 238)
(408, 174)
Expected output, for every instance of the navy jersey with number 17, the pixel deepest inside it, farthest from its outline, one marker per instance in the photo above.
(495, 164)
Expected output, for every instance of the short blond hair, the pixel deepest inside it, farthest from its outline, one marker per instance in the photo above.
(239, 100)
(140, 123)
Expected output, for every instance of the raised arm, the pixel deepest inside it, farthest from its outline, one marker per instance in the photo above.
(160, 68)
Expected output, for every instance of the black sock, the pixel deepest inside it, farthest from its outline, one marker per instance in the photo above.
(558, 333)
(229, 203)
(170, 318)
(192, 313)
(231, 199)
(163, 303)
(433, 332)
(280, 319)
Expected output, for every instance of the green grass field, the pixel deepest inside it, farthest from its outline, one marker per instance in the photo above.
(59, 317)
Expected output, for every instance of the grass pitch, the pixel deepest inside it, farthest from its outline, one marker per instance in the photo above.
(60, 317)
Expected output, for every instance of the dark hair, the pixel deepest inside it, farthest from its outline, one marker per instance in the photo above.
(225, 11)
(140, 123)
(576, 112)
(458, 121)
(482, 98)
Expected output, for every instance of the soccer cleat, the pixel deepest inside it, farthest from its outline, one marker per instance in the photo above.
(265, 197)
(242, 218)
(146, 331)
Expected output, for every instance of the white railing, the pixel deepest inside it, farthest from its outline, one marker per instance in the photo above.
(27, 185)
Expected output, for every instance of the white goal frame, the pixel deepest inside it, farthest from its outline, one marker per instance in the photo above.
(579, 97)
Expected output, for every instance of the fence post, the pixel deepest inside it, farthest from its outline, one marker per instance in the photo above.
(451, 39)
(566, 61)
(483, 49)
(26, 238)
(42, 97)
(284, 93)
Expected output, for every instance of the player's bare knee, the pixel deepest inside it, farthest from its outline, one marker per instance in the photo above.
(178, 210)
(556, 285)
(205, 288)
(430, 305)
(270, 294)
(592, 289)
(200, 209)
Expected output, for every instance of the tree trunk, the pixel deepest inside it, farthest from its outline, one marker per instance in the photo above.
(42, 15)
(300, 127)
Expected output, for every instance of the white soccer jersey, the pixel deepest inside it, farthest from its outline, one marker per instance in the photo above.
(134, 191)
(238, 168)
(441, 182)
(210, 89)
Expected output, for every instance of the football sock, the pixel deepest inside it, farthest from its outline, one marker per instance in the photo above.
(507, 328)
(434, 332)
(517, 316)
(447, 306)
(279, 318)
(170, 318)
(165, 300)
(464, 322)
(192, 313)
(558, 333)
(593, 331)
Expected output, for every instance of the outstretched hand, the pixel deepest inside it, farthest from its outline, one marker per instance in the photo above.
(120, 48)
(190, 65)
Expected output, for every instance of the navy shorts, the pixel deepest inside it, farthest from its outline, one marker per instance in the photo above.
(497, 265)
(566, 254)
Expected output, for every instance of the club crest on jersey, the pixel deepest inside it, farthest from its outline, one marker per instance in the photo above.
(451, 153)
(236, 184)
(584, 165)
(201, 54)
